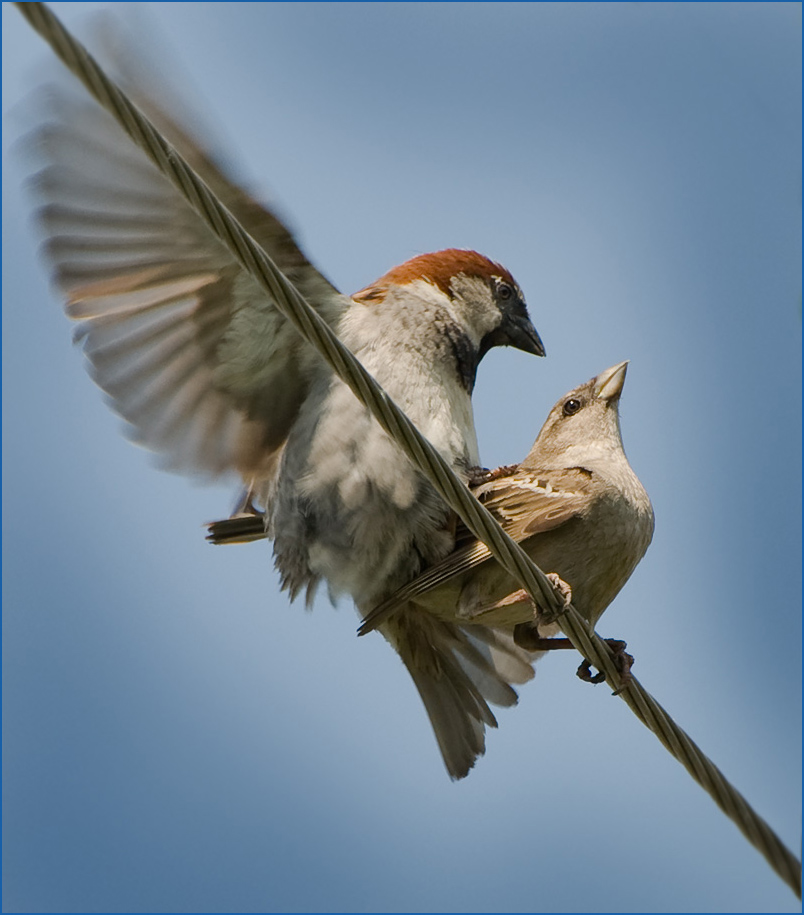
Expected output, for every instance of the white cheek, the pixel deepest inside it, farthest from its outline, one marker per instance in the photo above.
(475, 310)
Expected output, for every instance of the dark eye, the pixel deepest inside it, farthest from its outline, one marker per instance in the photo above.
(504, 291)
(571, 406)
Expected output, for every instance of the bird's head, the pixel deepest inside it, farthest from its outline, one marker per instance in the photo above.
(583, 428)
(480, 303)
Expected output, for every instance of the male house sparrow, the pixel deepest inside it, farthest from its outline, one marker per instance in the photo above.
(209, 374)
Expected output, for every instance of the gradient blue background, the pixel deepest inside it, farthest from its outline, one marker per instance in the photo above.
(178, 737)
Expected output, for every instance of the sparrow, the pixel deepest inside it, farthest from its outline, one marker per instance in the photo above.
(576, 507)
(574, 504)
(209, 375)
(579, 511)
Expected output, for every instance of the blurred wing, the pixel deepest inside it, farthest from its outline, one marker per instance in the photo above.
(191, 353)
(524, 503)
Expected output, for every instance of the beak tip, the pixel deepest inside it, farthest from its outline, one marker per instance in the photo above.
(536, 347)
(516, 331)
(609, 384)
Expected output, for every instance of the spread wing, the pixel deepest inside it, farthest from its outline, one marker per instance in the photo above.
(190, 352)
(525, 503)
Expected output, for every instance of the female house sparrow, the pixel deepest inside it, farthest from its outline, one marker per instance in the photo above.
(209, 374)
(574, 504)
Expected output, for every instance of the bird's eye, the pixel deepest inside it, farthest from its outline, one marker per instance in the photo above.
(504, 291)
(571, 406)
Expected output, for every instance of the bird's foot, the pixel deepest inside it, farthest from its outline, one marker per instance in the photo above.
(563, 589)
(564, 593)
(622, 660)
(526, 635)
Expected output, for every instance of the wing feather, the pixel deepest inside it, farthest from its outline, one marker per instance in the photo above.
(189, 351)
(525, 503)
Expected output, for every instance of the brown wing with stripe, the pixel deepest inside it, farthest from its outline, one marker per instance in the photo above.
(525, 503)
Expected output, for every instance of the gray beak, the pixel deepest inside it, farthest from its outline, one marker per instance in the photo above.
(516, 330)
(523, 335)
(609, 384)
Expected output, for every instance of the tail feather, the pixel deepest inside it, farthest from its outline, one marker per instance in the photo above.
(477, 664)
(241, 528)
(459, 732)
(458, 671)
(511, 663)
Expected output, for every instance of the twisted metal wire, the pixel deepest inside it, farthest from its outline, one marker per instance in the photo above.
(314, 330)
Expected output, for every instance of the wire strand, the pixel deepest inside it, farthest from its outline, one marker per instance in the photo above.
(308, 323)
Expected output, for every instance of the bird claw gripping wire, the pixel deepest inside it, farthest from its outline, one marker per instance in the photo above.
(622, 660)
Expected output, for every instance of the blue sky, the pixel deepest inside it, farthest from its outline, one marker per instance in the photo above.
(177, 737)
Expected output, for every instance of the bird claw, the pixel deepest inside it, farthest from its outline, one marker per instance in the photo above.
(622, 660)
(564, 592)
(584, 672)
